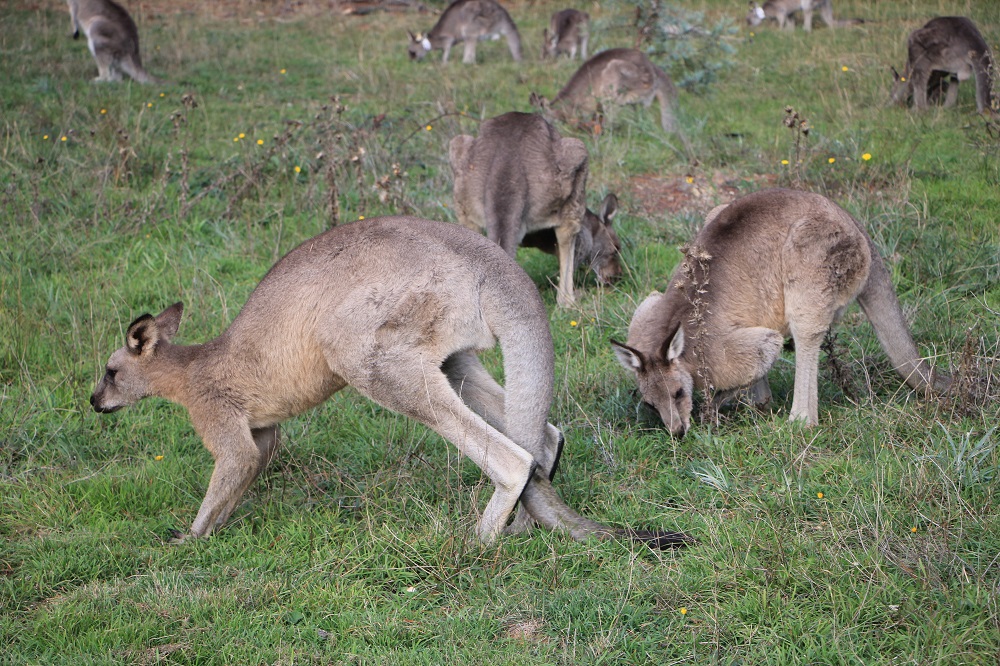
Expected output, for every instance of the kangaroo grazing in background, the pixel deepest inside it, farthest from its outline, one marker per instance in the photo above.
(620, 76)
(768, 265)
(946, 50)
(597, 246)
(781, 11)
(468, 21)
(112, 38)
(396, 307)
(568, 32)
(519, 175)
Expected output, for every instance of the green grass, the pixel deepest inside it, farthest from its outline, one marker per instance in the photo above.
(357, 546)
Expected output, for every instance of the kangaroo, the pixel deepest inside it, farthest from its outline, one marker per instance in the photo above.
(396, 307)
(597, 245)
(519, 175)
(467, 21)
(781, 10)
(568, 32)
(768, 265)
(112, 38)
(946, 50)
(620, 76)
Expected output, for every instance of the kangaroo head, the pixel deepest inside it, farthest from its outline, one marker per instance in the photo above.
(756, 15)
(901, 88)
(126, 377)
(605, 248)
(538, 102)
(665, 380)
(419, 46)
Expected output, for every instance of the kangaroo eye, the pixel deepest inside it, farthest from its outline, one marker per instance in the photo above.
(678, 394)
(110, 373)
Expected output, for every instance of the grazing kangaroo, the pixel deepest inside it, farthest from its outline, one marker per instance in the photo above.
(112, 38)
(396, 307)
(468, 21)
(597, 245)
(769, 265)
(946, 50)
(781, 10)
(620, 76)
(568, 32)
(519, 175)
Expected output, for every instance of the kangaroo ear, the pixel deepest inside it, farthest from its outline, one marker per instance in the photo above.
(895, 74)
(609, 208)
(675, 347)
(142, 335)
(537, 101)
(630, 358)
(413, 38)
(459, 152)
(169, 320)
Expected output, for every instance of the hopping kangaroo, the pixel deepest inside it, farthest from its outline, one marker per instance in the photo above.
(620, 76)
(948, 49)
(519, 175)
(468, 21)
(397, 308)
(112, 38)
(568, 32)
(781, 11)
(769, 265)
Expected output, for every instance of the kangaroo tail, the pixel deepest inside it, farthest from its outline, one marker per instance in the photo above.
(666, 95)
(133, 67)
(880, 305)
(984, 68)
(546, 507)
(519, 320)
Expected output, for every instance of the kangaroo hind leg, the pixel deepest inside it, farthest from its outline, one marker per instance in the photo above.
(423, 393)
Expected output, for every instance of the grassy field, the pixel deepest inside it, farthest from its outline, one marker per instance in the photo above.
(873, 538)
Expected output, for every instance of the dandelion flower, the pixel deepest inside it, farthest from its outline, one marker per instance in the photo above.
(62, 138)
(163, 94)
(149, 105)
(236, 139)
(844, 69)
(242, 135)
(866, 156)
(573, 323)
(158, 458)
(684, 611)
(913, 530)
(832, 160)
(752, 34)
(361, 217)
(298, 169)
(428, 128)
(784, 162)
(103, 111)
(689, 179)
(819, 495)
(45, 138)
(260, 142)
(903, 79)
(282, 70)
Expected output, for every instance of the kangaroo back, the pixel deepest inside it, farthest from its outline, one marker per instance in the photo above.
(879, 302)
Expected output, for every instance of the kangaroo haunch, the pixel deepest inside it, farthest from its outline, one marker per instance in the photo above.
(772, 264)
(396, 307)
(112, 38)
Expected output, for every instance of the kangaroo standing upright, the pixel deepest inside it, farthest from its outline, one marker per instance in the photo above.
(112, 38)
(769, 265)
(620, 76)
(396, 307)
(946, 50)
(782, 10)
(467, 21)
(568, 32)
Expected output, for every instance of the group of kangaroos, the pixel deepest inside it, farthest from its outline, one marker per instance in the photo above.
(399, 307)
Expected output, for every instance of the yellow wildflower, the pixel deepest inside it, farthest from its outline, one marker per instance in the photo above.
(819, 495)
(832, 160)
(298, 169)
(158, 458)
(866, 156)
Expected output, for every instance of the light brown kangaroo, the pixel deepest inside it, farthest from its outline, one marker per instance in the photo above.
(396, 307)
(112, 38)
(619, 76)
(467, 21)
(769, 265)
(519, 175)
(568, 32)
(782, 10)
(946, 50)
